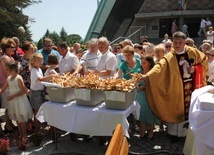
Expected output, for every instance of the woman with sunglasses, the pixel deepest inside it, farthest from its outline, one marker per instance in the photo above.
(8, 49)
(168, 47)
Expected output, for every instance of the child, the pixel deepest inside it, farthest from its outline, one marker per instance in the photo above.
(37, 93)
(19, 108)
(146, 114)
(52, 63)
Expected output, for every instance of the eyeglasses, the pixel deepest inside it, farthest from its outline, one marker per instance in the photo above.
(47, 45)
(168, 46)
(12, 47)
(127, 55)
(40, 61)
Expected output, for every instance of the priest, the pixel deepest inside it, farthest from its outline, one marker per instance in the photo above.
(168, 90)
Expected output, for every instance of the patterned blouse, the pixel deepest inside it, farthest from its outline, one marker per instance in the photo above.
(24, 71)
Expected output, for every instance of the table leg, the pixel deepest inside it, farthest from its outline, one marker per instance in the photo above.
(55, 138)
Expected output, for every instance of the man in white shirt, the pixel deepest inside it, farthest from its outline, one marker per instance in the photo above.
(90, 59)
(202, 27)
(67, 64)
(107, 65)
(69, 61)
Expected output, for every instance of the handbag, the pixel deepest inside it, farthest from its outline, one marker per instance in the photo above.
(4, 144)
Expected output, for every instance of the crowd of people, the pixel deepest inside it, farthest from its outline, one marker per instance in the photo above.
(163, 93)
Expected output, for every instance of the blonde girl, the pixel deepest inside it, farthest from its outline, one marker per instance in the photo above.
(37, 93)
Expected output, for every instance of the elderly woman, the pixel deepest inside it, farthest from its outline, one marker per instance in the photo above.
(8, 49)
(126, 68)
(159, 52)
(210, 76)
(150, 50)
(168, 47)
(130, 65)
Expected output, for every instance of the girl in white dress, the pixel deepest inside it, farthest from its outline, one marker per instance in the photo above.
(19, 108)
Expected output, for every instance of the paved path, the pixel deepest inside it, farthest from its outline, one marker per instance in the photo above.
(66, 146)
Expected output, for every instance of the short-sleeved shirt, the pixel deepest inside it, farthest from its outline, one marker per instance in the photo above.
(127, 71)
(50, 70)
(90, 60)
(121, 58)
(203, 23)
(107, 61)
(35, 83)
(46, 53)
(3, 76)
(68, 63)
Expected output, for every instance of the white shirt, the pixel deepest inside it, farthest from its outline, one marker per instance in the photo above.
(201, 120)
(210, 72)
(165, 40)
(208, 23)
(184, 28)
(107, 61)
(49, 70)
(68, 63)
(90, 60)
(35, 83)
(203, 23)
(211, 38)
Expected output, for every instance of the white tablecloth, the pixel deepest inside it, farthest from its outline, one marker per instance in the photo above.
(97, 121)
(202, 121)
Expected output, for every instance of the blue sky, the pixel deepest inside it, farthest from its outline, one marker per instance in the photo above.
(74, 15)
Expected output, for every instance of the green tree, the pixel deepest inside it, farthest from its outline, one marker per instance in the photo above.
(73, 38)
(47, 33)
(11, 17)
(63, 34)
(55, 37)
(40, 44)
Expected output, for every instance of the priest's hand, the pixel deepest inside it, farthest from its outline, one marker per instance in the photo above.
(191, 69)
(143, 78)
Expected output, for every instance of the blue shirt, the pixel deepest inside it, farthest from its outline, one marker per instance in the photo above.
(46, 53)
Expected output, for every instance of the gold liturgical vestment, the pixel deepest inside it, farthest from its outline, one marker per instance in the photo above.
(164, 87)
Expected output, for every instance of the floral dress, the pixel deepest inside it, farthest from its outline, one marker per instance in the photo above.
(24, 71)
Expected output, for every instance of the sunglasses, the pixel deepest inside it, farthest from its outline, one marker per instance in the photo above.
(47, 45)
(168, 46)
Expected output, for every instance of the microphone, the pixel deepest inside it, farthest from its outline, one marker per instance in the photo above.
(191, 61)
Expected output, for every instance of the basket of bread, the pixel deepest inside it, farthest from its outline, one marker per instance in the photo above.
(90, 90)
(58, 90)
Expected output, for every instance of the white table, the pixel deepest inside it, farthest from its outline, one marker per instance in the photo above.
(201, 118)
(97, 121)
